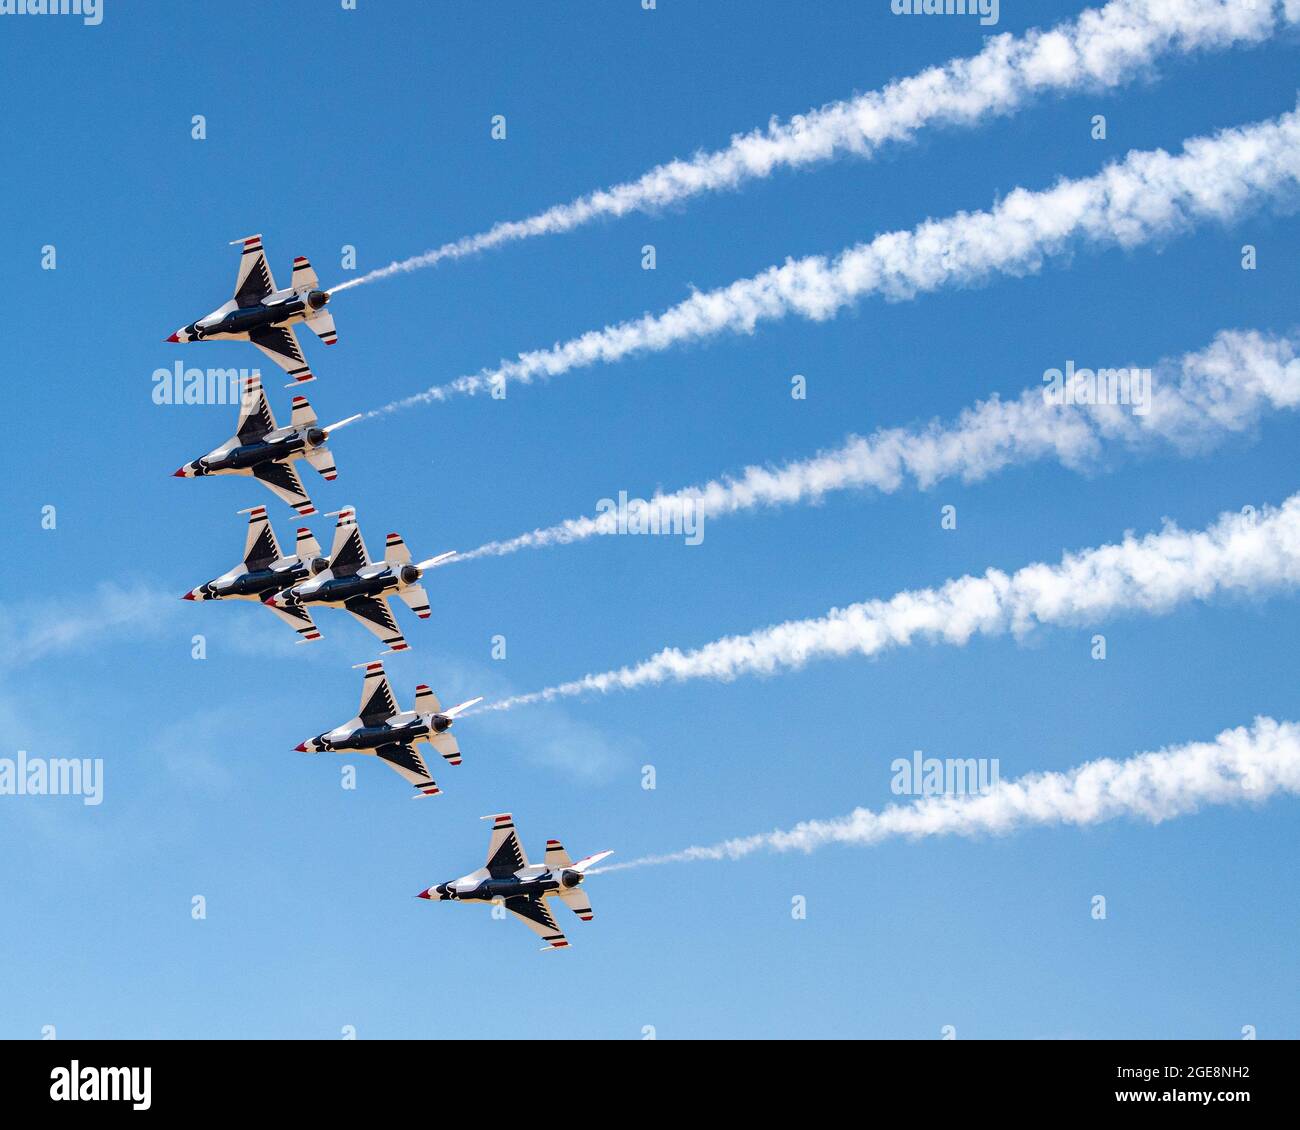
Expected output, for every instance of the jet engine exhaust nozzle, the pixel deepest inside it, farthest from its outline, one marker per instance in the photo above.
(410, 574)
(316, 299)
(570, 878)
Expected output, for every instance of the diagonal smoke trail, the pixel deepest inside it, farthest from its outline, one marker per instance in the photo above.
(1242, 765)
(1195, 401)
(1147, 195)
(1242, 552)
(1105, 47)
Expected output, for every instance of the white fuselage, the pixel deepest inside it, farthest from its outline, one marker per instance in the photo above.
(232, 322)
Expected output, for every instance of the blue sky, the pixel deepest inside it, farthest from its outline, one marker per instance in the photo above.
(370, 128)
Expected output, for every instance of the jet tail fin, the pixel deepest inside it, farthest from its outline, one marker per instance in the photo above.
(587, 862)
(430, 562)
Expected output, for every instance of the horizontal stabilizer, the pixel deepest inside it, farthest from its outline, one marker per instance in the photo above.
(575, 898)
(323, 326)
(556, 856)
(446, 744)
(426, 702)
(396, 551)
(304, 415)
(308, 547)
(304, 277)
(416, 599)
(322, 459)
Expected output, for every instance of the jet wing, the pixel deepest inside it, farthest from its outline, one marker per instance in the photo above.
(283, 479)
(374, 613)
(536, 915)
(280, 344)
(255, 415)
(408, 762)
(254, 281)
(299, 619)
(377, 702)
(260, 546)
(505, 852)
(348, 553)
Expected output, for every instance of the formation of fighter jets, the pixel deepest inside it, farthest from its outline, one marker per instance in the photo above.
(292, 585)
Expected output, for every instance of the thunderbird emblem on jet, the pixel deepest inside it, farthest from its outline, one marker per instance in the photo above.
(383, 729)
(522, 889)
(266, 316)
(265, 571)
(353, 582)
(266, 451)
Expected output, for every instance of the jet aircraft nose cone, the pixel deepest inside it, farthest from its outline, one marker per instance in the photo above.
(301, 747)
(174, 337)
(179, 473)
(189, 596)
(424, 895)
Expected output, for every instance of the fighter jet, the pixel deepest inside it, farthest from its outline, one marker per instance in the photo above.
(521, 889)
(266, 316)
(351, 581)
(266, 451)
(389, 733)
(265, 570)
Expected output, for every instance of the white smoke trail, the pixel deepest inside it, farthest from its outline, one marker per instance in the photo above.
(1242, 765)
(1247, 553)
(1195, 401)
(1147, 195)
(1102, 48)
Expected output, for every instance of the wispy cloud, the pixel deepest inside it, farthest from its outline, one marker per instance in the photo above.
(1245, 552)
(1147, 195)
(53, 625)
(1242, 765)
(1196, 400)
(1102, 48)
